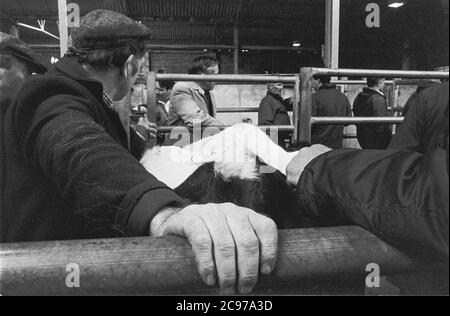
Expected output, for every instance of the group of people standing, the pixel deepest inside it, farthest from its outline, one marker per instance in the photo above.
(189, 102)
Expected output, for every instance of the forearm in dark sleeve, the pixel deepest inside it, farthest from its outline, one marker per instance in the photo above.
(401, 196)
(93, 173)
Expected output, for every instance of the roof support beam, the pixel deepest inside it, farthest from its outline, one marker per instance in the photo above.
(63, 30)
(332, 21)
(236, 49)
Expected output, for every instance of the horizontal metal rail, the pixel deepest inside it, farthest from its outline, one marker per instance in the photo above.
(238, 110)
(355, 120)
(181, 129)
(222, 78)
(401, 82)
(134, 266)
(203, 47)
(356, 82)
(381, 73)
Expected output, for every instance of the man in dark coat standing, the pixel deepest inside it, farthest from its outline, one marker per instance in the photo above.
(328, 101)
(73, 171)
(371, 102)
(422, 86)
(273, 110)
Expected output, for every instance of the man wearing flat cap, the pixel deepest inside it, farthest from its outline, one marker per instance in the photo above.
(73, 168)
(17, 62)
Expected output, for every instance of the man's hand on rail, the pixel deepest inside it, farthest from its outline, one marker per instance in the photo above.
(232, 244)
(151, 127)
(305, 156)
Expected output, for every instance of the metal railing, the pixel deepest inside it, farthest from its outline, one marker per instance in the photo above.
(167, 266)
(182, 129)
(152, 78)
(305, 115)
(148, 265)
(302, 118)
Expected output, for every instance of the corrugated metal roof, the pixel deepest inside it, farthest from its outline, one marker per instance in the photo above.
(285, 9)
(205, 21)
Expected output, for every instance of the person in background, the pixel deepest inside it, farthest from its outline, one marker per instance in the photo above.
(273, 110)
(163, 92)
(17, 62)
(71, 172)
(371, 102)
(193, 102)
(147, 129)
(328, 101)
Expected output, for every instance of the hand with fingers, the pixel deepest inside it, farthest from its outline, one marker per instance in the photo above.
(232, 244)
(149, 126)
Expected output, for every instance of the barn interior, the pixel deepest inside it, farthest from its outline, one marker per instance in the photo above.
(259, 37)
(270, 36)
(249, 37)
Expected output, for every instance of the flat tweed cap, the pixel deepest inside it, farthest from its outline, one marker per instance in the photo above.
(102, 29)
(12, 46)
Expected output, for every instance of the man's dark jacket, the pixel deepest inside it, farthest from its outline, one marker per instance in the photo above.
(371, 103)
(273, 110)
(400, 194)
(69, 173)
(422, 86)
(328, 101)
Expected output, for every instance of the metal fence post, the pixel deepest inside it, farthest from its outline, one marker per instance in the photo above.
(394, 103)
(151, 101)
(304, 126)
(295, 108)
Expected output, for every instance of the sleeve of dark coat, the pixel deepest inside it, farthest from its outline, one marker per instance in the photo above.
(89, 169)
(265, 113)
(399, 195)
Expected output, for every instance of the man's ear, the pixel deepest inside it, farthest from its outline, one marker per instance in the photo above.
(130, 68)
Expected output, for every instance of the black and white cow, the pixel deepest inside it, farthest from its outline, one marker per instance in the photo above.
(241, 165)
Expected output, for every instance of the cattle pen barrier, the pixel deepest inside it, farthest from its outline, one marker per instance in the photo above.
(305, 122)
(302, 97)
(311, 261)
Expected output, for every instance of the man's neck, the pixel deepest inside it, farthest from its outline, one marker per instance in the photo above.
(107, 79)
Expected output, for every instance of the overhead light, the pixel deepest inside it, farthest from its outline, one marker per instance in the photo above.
(296, 44)
(396, 4)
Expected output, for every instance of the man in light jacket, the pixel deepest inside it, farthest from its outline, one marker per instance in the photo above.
(193, 101)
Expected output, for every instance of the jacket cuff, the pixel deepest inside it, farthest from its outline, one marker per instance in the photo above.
(147, 207)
